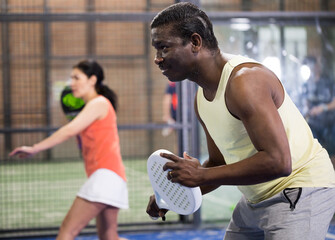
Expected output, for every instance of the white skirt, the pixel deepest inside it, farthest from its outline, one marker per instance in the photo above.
(105, 186)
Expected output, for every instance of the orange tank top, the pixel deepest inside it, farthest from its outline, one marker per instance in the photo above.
(101, 145)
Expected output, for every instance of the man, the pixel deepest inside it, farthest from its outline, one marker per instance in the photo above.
(257, 139)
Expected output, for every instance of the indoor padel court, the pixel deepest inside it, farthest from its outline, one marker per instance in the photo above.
(89, 92)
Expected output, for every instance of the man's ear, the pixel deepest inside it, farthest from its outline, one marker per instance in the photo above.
(196, 42)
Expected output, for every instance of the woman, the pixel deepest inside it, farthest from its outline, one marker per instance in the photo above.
(105, 190)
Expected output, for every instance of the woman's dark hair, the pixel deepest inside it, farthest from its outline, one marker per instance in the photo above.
(90, 68)
(187, 19)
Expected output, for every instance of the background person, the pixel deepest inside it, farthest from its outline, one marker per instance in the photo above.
(105, 191)
(169, 107)
(257, 138)
(319, 100)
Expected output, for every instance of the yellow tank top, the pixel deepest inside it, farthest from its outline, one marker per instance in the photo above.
(311, 166)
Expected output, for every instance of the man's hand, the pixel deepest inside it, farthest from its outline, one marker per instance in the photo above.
(153, 210)
(186, 171)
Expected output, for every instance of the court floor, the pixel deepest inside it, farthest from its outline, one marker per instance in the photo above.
(201, 234)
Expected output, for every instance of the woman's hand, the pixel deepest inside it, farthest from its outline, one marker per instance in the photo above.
(23, 152)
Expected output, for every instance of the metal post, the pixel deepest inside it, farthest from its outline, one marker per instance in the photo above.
(90, 32)
(282, 44)
(195, 141)
(324, 5)
(6, 82)
(183, 133)
(184, 117)
(246, 5)
(46, 73)
(149, 81)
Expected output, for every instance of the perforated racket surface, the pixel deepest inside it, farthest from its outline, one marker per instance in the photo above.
(172, 196)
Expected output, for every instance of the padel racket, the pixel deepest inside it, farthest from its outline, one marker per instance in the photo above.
(71, 105)
(172, 196)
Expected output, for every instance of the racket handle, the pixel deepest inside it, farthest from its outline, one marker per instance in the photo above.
(160, 202)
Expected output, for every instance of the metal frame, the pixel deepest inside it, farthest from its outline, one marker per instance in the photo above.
(6, 82)
(276, 17)
(184, 127)
(188, 125)
(46, 73)
(261, 18)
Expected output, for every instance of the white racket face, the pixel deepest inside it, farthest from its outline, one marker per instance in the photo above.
(180, 199)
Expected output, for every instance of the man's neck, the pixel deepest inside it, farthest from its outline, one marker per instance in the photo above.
(210, 74)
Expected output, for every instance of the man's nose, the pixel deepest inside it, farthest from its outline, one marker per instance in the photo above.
(158, 59)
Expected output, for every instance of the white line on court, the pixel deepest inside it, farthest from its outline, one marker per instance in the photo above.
(330, 236)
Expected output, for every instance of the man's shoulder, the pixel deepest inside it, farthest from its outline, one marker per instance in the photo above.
(236, 60)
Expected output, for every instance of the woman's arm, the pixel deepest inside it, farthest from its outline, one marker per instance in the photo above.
(95, 109)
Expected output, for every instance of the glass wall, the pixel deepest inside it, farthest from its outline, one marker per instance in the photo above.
(300, 51)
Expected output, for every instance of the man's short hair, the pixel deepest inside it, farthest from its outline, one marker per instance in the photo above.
(187, 19)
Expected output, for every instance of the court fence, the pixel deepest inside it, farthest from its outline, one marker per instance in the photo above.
(41, 40)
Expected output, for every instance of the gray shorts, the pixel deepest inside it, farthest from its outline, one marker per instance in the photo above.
(293, 214)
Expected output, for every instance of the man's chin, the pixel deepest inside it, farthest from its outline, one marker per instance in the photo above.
(174, 78)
